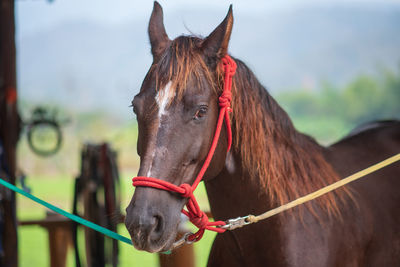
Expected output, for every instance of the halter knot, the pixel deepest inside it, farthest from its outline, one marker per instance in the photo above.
(225, 99)
(200, 222)
(188, 191)
(229, 65)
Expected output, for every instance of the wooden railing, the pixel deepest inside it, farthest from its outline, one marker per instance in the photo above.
(59, 231)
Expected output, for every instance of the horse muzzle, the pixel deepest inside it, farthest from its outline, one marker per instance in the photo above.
(152, 219)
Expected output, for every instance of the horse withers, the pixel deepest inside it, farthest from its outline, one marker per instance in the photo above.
(270, 163)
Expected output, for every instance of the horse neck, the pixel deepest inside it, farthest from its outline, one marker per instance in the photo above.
(231, 194)
(271, 163)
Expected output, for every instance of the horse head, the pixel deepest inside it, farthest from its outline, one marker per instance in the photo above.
(177, 112)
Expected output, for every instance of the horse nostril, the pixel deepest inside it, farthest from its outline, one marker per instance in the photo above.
(159, 222)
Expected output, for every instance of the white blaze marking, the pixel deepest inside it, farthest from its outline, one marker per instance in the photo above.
(163, 97)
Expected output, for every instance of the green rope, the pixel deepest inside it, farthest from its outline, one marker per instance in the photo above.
(73, 217)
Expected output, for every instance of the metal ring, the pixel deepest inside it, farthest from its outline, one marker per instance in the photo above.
(54, 127)
(182, 241)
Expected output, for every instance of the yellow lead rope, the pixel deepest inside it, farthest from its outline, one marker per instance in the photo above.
(324, 190)
(242, 221)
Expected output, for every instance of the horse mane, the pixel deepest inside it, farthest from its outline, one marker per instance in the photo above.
(286, 163)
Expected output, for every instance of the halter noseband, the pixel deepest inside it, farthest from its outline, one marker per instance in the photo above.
(194, 213)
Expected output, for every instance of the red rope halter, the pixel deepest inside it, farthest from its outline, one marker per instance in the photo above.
(195, 214)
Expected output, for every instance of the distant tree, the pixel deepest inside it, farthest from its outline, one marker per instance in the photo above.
(365, 98)
(391, 92)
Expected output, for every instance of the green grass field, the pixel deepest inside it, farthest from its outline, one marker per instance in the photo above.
(58, 190)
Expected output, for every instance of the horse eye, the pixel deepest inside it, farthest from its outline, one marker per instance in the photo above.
(200, 113)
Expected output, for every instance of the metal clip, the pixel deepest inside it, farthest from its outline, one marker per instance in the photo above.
(184, 240)
(236, 223)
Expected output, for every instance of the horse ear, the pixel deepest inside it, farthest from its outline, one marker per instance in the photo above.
(158, 37)
(216, 44)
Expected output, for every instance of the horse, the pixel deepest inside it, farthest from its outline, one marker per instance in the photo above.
(269, 164)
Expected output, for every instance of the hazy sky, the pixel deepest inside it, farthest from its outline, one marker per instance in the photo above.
(60, 41)
(36, 15)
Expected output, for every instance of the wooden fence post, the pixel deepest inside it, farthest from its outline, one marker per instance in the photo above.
(9, 127)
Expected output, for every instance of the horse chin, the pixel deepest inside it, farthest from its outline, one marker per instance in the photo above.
(168, 245)
(153, 247)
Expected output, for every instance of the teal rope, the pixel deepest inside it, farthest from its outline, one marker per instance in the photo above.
(73, 217)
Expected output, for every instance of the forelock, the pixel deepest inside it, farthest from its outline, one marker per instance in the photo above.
(183, 62)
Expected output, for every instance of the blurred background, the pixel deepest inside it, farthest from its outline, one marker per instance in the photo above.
(331, 64)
